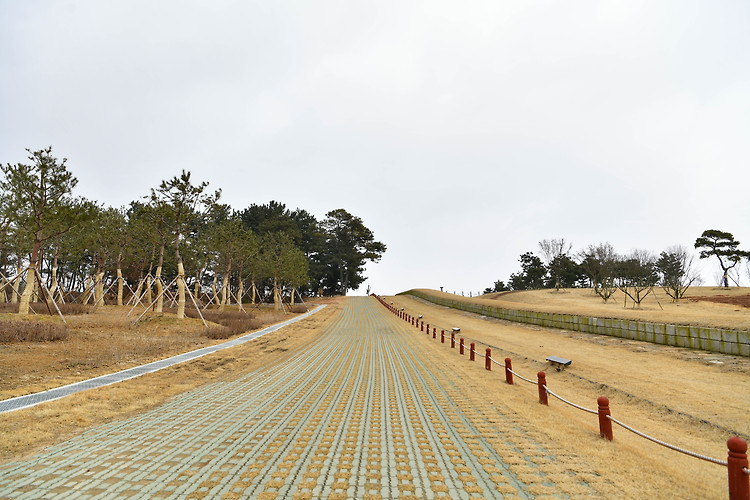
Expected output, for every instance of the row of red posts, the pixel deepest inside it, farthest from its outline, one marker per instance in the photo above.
(737, 462)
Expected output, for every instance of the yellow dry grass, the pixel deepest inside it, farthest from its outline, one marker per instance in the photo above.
(656, 307)
(692, 399)
(25, 431)
(101, 342)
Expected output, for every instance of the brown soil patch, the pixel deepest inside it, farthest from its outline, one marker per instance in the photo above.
(656, 308)
(739, 300)
(25, 431)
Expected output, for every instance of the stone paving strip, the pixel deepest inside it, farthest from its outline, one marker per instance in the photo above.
(357, 414)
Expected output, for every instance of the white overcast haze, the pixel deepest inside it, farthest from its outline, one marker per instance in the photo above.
(462, 133)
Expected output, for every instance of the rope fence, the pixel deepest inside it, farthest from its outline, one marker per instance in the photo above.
(522, 377)
(736, 463)
(667, 445)
(569, 403)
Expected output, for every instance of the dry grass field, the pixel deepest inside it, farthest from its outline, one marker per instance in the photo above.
(106, 341)
(693, 399)
(707, 306)
(103, 341)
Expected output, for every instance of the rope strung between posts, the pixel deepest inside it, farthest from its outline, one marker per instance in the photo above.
(541, 382)
(667, 445)
(568, 402)
(498, 364)
(522, 377)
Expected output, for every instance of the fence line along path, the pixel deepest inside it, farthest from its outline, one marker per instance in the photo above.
(358, 413)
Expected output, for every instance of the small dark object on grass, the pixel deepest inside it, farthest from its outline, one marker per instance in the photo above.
(32, 331)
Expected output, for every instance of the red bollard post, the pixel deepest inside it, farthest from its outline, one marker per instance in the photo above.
(453, 340)
(428, 328)
(605, 424)
(488, 359)
(508, 372)
(541, 379)
(739, 482)
(461, 347)
(412, 322)
(442, 336)
(434, 333)
(471, 352)
(421, 328)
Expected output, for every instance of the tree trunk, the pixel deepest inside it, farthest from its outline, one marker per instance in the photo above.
(159, 306)
(35, 292)
(16, 283)
(99, 282)
(23, 307)
(149, 296)
(138, 289)
(291, 303)
(252, 284)
(99, 288)
(87, 291)
(180, 290)
(196, 293)
(240, 290)
(276, 296)
(225, 288)
(119, 279)
(53, 286)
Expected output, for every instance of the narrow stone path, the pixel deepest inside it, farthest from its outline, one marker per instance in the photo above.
(357, 414)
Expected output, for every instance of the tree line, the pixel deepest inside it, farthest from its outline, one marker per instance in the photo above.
(635, 274)
(53, 243)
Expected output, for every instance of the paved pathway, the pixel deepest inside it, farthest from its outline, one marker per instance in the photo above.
(357, 414)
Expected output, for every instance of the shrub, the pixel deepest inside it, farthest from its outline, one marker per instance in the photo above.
(7, 307)
(232, 322)
(31, 331)
(39, 308)
(299, 308)
(73, 309)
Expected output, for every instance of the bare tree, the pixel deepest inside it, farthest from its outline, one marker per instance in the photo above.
(599, 264)
(636, 275)
(552, 251)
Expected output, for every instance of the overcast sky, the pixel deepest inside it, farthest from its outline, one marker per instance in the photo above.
(462, 133)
